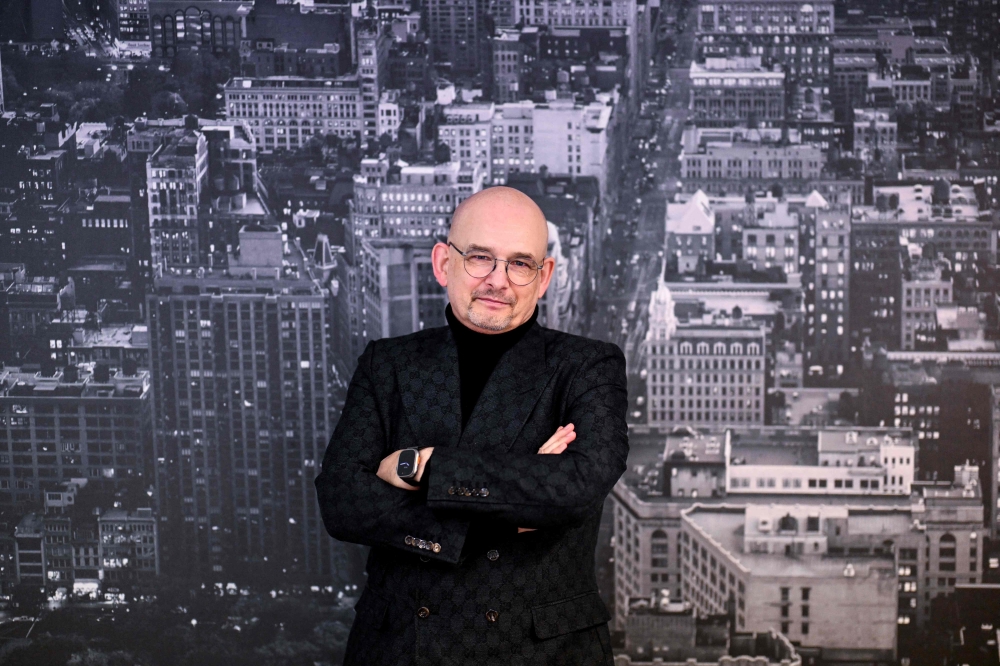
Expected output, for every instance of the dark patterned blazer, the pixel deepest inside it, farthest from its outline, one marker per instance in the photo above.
(450, 580)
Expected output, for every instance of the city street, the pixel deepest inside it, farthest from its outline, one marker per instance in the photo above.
(633, 249)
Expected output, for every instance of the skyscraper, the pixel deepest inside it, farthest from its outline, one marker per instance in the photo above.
(240, 366)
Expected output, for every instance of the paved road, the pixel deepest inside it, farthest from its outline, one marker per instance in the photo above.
(632, 255)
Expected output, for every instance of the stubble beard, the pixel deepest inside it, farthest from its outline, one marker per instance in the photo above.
(489, 322)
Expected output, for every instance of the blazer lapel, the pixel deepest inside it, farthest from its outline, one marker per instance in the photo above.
(428, 381)
(509, 396)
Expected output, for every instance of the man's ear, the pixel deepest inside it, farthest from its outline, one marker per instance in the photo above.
(545, 275)
(439, 262)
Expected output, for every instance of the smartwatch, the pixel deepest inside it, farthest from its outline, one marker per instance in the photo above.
(407, 465)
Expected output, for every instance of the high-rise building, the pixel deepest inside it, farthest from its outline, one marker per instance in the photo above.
(992, 493)
(457, 29)
(827, 280)
(594, 15)
(201, 182)
(242, 413)
(709, 371)
(373, 41)
(396, 201)
(903, 218)
(508, 59)
(400, 293)
(923, 289)
(75, 422)
(771, 237)
(177, 179)
(466, 129)
(794, 33)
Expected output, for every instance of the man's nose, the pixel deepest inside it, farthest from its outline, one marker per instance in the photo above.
(498, 277)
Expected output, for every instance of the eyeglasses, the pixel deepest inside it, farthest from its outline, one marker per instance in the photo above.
(479, 264)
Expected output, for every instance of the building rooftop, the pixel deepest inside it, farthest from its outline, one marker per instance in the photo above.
(238, 83)
(684, 444)
(725, 524)
(16, 382)
(694, 217)
(127, 336)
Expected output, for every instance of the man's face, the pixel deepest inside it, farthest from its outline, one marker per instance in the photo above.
(496, 228)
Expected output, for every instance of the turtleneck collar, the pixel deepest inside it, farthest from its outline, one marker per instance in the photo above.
(478, 355)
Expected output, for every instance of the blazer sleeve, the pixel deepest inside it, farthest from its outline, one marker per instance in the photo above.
(359, 507)
(546, 490)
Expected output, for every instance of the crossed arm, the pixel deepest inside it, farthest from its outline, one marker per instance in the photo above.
(360, 503)
(387, 468)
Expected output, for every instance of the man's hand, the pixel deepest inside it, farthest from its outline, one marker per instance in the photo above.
(556, 444)
(387, 468)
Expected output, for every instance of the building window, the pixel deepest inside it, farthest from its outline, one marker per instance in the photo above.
(805, 628)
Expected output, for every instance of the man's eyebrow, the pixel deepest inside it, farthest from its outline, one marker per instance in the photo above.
(480, 248)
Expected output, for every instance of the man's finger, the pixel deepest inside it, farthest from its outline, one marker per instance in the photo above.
(561, 434)
(555, 442)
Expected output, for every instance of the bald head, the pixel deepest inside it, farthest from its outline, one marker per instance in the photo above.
(498, 209)
(502, 223)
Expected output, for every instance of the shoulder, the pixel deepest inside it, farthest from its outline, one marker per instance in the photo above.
(567, 348)
(406, 348)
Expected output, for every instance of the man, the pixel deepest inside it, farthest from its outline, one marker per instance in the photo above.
(519, 433)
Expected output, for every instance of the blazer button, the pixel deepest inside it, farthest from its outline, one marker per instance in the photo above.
(492, 615)
(451, 490)
(493, 555)
(421, 544)
(424, 558)
(436, 547)
(483, 492)
(408, 540)
(423, 611)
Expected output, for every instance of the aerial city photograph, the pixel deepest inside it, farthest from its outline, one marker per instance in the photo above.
(499, 332)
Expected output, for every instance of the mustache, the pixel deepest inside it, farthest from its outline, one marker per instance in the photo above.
(495, 296)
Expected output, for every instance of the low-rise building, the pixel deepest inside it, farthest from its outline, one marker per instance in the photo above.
(772, 564)
(285, 112)
(736, 90)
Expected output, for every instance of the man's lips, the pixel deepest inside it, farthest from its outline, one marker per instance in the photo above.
(492, 301)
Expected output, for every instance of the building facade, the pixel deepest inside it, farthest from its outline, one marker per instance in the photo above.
(242, 413)
(285, 112)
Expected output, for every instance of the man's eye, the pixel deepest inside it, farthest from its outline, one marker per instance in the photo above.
(481, 257)
(520, 264)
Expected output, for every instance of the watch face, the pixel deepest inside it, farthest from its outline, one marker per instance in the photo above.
(406, 466)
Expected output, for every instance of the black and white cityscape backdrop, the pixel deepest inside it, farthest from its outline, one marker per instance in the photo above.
(785, 213)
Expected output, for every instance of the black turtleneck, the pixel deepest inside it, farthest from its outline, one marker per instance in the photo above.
(478, 355)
